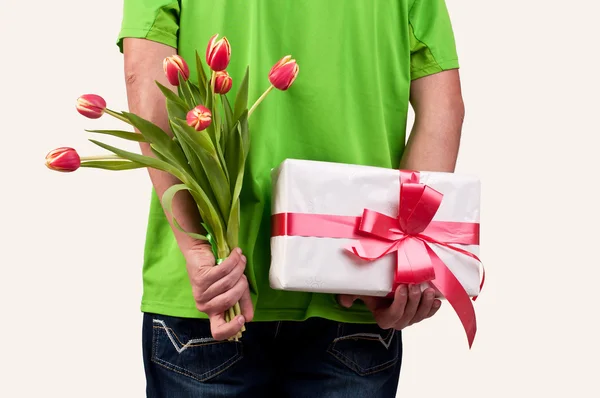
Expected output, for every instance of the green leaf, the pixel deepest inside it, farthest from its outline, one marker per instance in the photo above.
(127, 135)
(214, 171)
(198, 98)
(211, 128)
(170, 95)
(146, 161)
(241, 99)
(114, 165)
(228, 121)
(207, 210)
(202, 79)
(201, 137)
(233, 225)
(176, 110)
(194, 92)
(238, 159)
(233, 153)
(186, 92)
(197, 169)
(243, 133)
(243, 123)
(214, 132)
(167, 203)
(159, 138)
(151, 132)
(159, 155)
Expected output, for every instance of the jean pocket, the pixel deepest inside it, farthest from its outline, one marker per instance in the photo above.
(366, 349)
(186, 346)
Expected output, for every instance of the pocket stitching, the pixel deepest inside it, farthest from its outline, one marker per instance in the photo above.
(202, 377)
(357, 368)
(211, 373)
(198, 342)
(344, 359)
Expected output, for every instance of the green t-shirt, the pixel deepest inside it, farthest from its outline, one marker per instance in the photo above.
(349, 104)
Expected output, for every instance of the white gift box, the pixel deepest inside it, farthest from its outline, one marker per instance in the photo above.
(321, 264)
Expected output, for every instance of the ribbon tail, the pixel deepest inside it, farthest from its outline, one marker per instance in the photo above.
(459, 250)
(455, 294)
(371, 249)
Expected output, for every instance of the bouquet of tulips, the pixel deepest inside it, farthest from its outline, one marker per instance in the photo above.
(208, 146)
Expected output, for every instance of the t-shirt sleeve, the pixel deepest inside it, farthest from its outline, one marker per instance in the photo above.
(156, 20)
(432, 44)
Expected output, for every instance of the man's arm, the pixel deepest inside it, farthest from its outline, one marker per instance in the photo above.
(439, 112)
(215, 289)
(143, 65)
(432, 146)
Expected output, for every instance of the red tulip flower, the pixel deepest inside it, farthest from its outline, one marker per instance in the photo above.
(173, 66)
(63, 159)
(284, 73)
(223, 82)
(91, 105)
(199, 118)
(218, 53)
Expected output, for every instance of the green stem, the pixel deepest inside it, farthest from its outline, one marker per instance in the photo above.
(117, 115)
(238, 311)
(259, 100)
(213, 78)
(214, 110)
(222, 251)
(101, 157)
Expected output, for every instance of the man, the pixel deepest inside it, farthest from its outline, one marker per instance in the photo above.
(361, 64)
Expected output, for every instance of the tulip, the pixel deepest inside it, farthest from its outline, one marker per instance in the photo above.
(284, 73)
(223, 82)
(218, 53)
(63, 159)
(173, 66)
(199, 118)
(281, 76)
(91, 105)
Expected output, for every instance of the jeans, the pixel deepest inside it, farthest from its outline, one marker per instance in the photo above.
(316, 358)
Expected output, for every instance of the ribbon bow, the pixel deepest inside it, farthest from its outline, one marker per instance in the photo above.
(418, 205)
(409, 235)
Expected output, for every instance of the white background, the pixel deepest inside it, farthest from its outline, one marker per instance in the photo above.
(71, 245)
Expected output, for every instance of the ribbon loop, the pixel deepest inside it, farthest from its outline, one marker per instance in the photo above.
(418, 205)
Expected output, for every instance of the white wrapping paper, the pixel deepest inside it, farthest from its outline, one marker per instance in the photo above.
(313, 264)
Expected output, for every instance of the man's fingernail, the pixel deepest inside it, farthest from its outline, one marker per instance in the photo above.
(238, 250)
(243, 258)
(241, 320)
(415, 289)
(403, 290)
(429, 294)
(437, 304)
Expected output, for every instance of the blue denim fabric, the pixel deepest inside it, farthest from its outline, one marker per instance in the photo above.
(314, 358)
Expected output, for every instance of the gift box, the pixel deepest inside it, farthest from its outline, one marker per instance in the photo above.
(349, 229)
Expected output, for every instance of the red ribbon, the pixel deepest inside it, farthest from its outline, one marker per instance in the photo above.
(408, 236)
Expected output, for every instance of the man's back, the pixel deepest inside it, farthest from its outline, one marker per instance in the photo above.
(349, 104)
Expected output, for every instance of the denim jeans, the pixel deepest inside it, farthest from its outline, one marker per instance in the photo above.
(316, 358)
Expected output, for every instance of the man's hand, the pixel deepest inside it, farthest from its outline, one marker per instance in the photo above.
(217, 288)
(409, 306)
